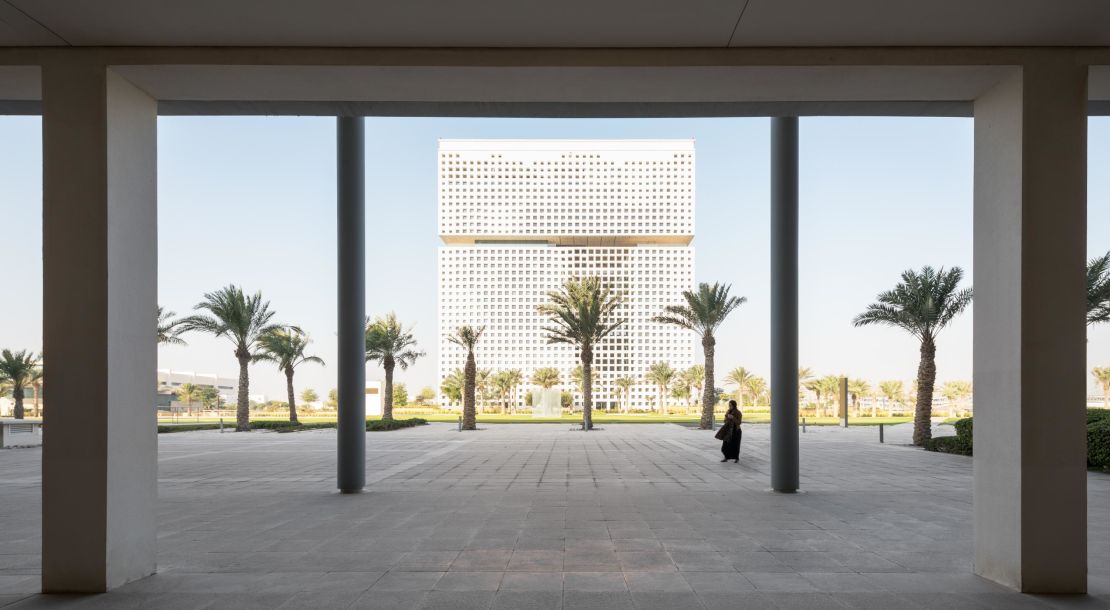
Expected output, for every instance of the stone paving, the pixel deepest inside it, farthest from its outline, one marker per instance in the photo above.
(539, 516)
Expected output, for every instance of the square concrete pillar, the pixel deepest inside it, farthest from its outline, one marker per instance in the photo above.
(1030, 301)
(100, 453)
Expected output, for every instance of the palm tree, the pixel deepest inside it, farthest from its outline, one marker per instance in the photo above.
(680, 392)
(582, 314)
(285, 348)
(858, 388)
(922, 304)
(243, 320)
(503, 383)
(467, 337)
(661, 374)
(576, 379)
(187, 393)
(757, 387)
(829, 388)
(680, 388)
(483, 386)
(805, 374)
(703, 312)
(515, 377)
(816, 386)
(169, 329)
(695, 377)
(739, 378)
(546, 377)
(954, 392)
(625, 384)
(452, 386)
(1102, 376)
(1098, 289)
(893, 391)
(36, 390)
(209, 396)
(390, 344)
(17, 368)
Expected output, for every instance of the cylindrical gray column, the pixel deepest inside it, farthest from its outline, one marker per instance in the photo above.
(784, 304)
(351, 242)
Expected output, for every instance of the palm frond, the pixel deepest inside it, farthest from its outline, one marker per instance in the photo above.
(922, 304)
(581, 312)
(705, 310)
(229, 312)
(467, 337)
(1098, 289)
(387, 338)
(285, 347)
(168, 329)
(17, 367)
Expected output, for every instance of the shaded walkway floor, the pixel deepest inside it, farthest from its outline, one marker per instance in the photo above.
(537, 516)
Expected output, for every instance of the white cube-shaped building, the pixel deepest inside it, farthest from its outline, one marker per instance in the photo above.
(519, 217)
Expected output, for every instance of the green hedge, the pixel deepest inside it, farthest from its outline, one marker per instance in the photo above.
(372, 425)
(380, 425)
(187, 427)
(961, 444)
(1098, 444)
(288, 426)
(965, 429)
(1098, 439)
(948, 444)
(1096, 415)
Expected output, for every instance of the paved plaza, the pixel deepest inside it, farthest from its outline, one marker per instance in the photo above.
(540, 516)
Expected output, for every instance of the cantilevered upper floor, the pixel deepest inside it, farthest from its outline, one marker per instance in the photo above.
(566, 192)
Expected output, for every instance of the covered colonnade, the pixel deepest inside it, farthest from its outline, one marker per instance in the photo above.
(99, 107)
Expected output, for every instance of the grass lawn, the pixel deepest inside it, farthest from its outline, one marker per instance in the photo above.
(600, 417)
(283, 425)
(230, 421)
(618, 418)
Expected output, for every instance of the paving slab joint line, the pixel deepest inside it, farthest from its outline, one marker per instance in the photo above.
(403, 466)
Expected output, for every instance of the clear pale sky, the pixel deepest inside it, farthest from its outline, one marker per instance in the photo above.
(252, 201)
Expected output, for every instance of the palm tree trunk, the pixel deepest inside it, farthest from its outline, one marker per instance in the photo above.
(17, 396)
(292, 397)
(709, 346)
(470, 372)
(242, 408)
(1105, 396)
(926, 377)
(35, 389)
(587, 387)
(387, 395)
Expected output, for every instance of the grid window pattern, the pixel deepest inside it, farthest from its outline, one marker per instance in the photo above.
(498, 281)
(566, 187)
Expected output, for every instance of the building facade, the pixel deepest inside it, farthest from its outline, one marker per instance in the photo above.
(227, 387)
(519, 217)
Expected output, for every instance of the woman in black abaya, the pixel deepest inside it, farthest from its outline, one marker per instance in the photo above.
(730, 433)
